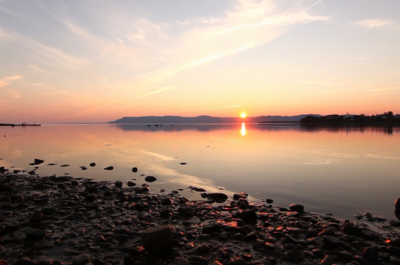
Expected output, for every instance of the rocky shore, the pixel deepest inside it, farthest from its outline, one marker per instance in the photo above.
(66, 220)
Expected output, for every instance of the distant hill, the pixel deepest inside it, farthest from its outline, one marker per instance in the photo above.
(208, 119)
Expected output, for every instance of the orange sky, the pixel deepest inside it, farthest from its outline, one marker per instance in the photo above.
(84, 62)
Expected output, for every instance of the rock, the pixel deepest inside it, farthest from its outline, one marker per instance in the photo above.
(239, 261)
(83, 167)
(118, 184)
(370, 254)
(131, 184)
(296, 207)
(218, 197)
(332, 241)
(158, 239)
(134, 169)
(109, 168)
(38, 161)
(81, 260)
(36, 217)
(249, 216)
(393, 250)
(92, 164)
(99, 238)
(352, 230)
(216, 263)
(45, 245)
(91, 197)
(268, 200)
(150, 179)
(328, 260)
(180, 261)
(243, 204)
(166, 201)
(240, 195)
(187, 211)
(397, 208)
(25, 261)
(197, 260)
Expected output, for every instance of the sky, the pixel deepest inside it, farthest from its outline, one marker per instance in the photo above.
(97, 61)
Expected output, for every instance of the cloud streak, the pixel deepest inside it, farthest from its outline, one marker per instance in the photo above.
(373, 23)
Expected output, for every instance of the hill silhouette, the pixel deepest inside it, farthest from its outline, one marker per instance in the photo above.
(208, 119)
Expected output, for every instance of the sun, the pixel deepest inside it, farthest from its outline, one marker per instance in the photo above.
(243, 114)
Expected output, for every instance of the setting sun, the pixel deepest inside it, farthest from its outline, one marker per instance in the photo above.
(243, 115)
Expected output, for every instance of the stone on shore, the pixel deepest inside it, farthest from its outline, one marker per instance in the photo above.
(134, 170)
(397, 208)
(109, 168)
(296, 207)
(158, 239)
(38, 161)
(218, 197)
(92, 164)
(150, 179)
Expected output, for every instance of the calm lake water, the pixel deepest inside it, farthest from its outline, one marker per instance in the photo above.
(342, 171)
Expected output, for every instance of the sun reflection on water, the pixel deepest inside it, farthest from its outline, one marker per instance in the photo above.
(243, 129)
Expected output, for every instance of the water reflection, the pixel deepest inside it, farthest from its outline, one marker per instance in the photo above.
(243, 129)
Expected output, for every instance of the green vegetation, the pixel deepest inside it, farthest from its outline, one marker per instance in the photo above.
(385, 118)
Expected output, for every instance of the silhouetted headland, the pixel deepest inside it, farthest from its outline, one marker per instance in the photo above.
(387, 118)
(22, 124)
(208, 119)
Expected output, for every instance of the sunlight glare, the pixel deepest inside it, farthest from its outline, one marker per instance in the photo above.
(243, 130)
(243, 114)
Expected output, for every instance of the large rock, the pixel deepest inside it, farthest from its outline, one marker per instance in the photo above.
(218, 197)
(38, 161)
(158, 239)
(397, 208)
(370, 254)
(296, 207)
(150, 179)
(249, 216)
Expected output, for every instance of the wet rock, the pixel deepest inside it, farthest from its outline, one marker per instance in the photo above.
(328, 260)
(25, 261)
(35, 234)
(187, 211)
(134, 169)
(118, 184)
(296, 207)
(91, 197)
(239, 261)
(81, 260)
(150, 179)
(330, 231)
(370, 254)
(332, 241)
(183, 163)
(397, 208)
(240, 195)
(197, 260)
(158, 239)
(352, 230)
(218, 197)
(131, 184)
(166, 201)
(243, 204)
(393, 250)
(44, 245)
(249, 216)
(395, 223)
(36, 217)
(83, 167)
(109, 168)
(180, 261)
(38, 161)
(268, 200)
(92, 164)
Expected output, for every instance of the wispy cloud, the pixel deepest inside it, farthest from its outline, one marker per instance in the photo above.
(38, 69)
(373, 23)
(319, 84)
(387, 157)
(321, 161)
(384, 88)
(233, 106)
(46, 52)
(5, 81)
(156, 91)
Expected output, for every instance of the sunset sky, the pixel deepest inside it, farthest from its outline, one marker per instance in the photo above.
(96, 61)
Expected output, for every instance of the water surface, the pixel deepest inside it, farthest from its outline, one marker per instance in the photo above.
(339, 170)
